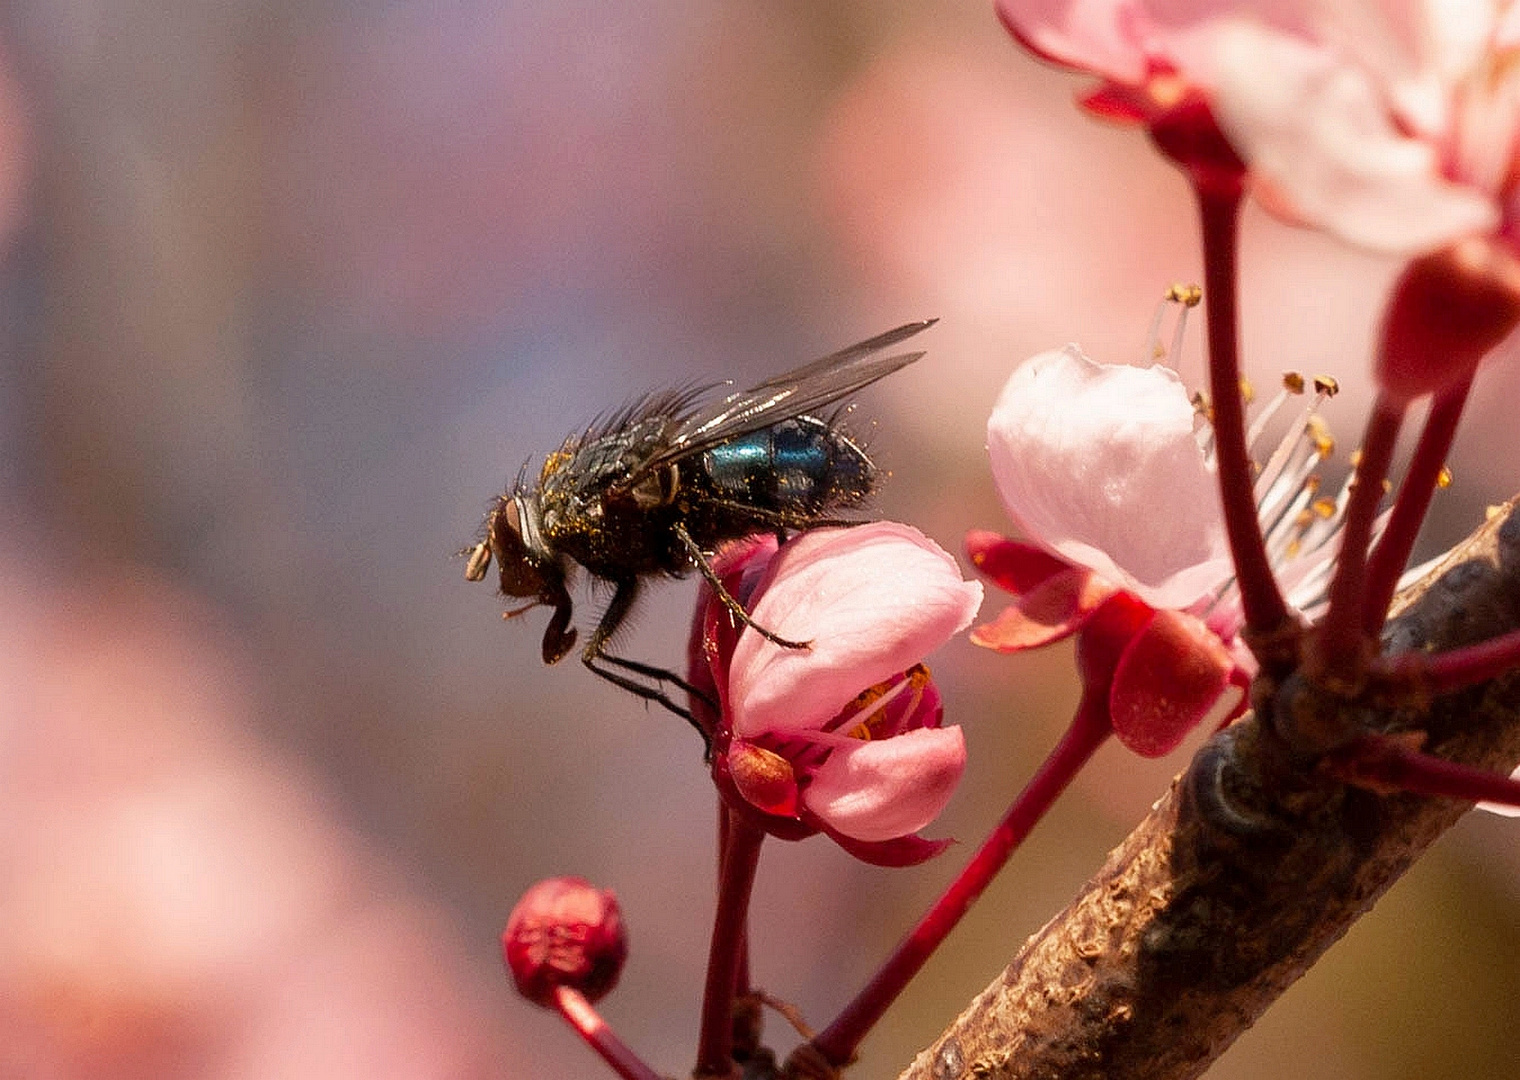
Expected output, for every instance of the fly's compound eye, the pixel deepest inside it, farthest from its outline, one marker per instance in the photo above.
(513, 529)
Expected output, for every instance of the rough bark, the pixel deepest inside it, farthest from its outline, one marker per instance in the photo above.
(1242, 876)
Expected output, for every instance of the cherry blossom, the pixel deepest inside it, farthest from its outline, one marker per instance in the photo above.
(1106, 471)
(845, 735)
(1389, 125)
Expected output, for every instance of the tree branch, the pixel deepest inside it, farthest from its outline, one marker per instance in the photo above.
(1243, 875)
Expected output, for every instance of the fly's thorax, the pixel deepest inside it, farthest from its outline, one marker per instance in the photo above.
(801, 464)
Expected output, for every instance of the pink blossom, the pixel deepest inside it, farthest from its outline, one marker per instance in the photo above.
(1390, 125)
(844, 736)
(1105, 470)
(1101, 465)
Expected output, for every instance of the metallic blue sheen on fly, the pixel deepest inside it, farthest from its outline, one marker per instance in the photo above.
(656, 487)
(798, 463)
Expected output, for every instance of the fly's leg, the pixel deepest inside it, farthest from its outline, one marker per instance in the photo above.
(735, 608)
(597, 659)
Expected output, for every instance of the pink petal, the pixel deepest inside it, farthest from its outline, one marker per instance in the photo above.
(1126, 41)
(872, 601)
(1103, 37)
(1011, 566)
(1319, 132)
(1174, 676)
(899, 851)
(1099, 464)
(1053, 610)
(880, 790)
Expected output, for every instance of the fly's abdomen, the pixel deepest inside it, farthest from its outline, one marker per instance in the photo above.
(799, 464)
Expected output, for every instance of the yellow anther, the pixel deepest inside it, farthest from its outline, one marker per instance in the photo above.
(1293, 382)
(1443, 478)
(1185, 294)
(1319, 435)
(873, 701)
(1327, 385)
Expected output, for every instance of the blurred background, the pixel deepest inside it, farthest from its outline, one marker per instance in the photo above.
(292, 288)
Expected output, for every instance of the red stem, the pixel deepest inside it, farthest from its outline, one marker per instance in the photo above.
(588, 1023)
(1428, 674)
(1382, 763)
(839, 1040)
(1264, 608)
(736, 880)
(1391, 555)
(741, 972)
(1341, 636)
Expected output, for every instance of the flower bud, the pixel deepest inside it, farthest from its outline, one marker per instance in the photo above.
(1447, 312)
(565, 932)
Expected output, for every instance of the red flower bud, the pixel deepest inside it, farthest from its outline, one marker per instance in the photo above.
(1447, 312)
(565, 932)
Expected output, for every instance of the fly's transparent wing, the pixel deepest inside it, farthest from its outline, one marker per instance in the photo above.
(803, 390)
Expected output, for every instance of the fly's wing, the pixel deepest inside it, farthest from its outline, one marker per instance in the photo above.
(803, 390)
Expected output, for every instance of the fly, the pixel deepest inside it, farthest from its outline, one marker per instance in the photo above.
(653, 489)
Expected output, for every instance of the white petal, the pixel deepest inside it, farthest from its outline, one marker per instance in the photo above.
(1320, 133)
(1099, 464)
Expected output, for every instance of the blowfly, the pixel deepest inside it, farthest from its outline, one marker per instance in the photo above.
(653, 489)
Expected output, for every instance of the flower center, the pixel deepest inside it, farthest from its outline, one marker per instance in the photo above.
(1301, 523)
(864, 717)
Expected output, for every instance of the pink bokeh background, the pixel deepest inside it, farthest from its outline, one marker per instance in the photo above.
(291, 289)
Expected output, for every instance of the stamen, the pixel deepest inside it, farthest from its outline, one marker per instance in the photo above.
(863, 716)
(1299, 523)
(1189, 296)
(1310, 431)
(1185, 297)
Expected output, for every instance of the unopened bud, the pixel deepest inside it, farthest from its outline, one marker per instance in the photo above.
(565, 932)
(1447, 312)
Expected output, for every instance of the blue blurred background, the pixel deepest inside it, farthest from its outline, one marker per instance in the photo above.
(290, 291)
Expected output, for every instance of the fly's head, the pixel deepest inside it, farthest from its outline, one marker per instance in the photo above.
(528, 568)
